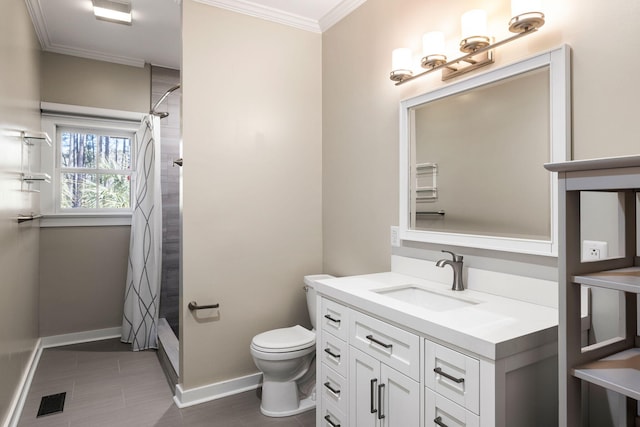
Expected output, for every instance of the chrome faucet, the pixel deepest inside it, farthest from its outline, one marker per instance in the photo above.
(456, 264)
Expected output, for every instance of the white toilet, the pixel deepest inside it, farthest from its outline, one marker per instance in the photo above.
(284, 356)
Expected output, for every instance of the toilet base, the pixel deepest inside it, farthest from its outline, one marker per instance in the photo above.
(305, 405)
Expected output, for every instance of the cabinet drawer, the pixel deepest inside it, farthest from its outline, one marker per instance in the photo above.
(331, 416)
(440, 411)
(334, 353)
(334, 388)
(393, 346)
(335, 318)
(453, 375)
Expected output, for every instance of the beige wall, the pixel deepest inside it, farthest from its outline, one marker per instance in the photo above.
(87, 82)
(360, 103)
(83, 271)
(251, 184)
(19, 103)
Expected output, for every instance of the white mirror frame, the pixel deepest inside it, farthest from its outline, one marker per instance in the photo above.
(558, 61)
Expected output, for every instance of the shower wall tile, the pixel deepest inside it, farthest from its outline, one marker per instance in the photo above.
(162, 79)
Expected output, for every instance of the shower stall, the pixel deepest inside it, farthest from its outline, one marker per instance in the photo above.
(166, 97)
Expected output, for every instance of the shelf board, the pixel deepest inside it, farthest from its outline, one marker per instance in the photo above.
(619, 372)
(623, 279)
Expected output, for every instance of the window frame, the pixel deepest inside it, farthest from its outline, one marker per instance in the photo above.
(57, 116)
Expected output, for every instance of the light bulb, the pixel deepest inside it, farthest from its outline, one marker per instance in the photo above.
(433, 43)
(474, 23)
(519, 7)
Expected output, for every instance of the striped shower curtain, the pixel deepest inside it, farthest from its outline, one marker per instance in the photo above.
(142, 293)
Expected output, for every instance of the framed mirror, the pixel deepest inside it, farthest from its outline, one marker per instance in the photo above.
(472, 155)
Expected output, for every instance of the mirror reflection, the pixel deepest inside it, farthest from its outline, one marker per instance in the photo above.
(477, 156)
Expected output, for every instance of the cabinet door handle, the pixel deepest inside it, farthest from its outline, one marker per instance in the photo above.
(439, 371)
(373, 395)
(328, 419)
(332, 354)
(380, 392)
(380, 343)
(331, 389)
(328, 316)
(439, 422)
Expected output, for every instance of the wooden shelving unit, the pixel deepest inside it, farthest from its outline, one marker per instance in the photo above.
(613, 364)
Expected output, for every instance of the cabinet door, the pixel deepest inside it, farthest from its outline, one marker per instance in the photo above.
(364, 382)
(400, 399)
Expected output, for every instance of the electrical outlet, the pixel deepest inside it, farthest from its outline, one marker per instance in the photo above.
(594, 250)
(395, 236)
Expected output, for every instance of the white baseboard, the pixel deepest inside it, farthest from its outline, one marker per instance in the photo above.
(80, 337)
(195, 396)
(15, 410)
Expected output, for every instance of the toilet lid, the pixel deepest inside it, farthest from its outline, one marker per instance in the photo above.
(284, 339)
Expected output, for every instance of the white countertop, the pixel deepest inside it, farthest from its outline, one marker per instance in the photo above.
(495, 327)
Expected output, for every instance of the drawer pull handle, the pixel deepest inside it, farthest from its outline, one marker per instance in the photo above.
(328, 419)
(380, 392)
(373, 395)
(331, 353)
(439, 371)
(439, 422)
(331, 389)
(328, 316)
(380, 343)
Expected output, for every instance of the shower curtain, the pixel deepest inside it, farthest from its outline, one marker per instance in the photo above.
(142, 293)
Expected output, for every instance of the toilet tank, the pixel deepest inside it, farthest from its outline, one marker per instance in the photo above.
(310, 289)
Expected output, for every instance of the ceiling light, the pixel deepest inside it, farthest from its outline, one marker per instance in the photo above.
(113, 11)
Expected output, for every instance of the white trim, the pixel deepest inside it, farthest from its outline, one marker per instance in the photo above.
(19, 398)
(245, 7)
(40, 27)
(17, 404)
(59, 115)
(206, 393)
(338, 13)
(266, 13)
(74, 220)
(80, 337)
(79, 110)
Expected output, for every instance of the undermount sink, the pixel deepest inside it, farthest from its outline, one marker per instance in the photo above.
(424, 298)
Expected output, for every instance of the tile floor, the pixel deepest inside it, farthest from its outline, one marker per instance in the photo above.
(109, 385)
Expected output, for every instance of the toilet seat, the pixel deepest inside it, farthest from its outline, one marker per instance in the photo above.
(284, 340)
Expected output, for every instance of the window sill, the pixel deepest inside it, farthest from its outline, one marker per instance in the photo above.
(85, 220)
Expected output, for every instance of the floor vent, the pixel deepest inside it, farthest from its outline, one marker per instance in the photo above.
(51, 404)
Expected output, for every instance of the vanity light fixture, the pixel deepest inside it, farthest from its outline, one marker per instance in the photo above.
(113, 11)
(476, 44)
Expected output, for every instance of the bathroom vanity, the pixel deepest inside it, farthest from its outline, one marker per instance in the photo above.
(395, 350)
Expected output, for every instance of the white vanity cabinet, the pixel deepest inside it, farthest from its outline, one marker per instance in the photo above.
(384, 367)
(374, 372)
(332, 355)
(452, 396)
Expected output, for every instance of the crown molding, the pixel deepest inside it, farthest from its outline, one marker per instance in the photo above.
(275, 15)
(39, 24)
(40, 27)
(339, 12)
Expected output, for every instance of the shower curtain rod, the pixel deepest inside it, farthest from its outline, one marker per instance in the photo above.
(167, 93)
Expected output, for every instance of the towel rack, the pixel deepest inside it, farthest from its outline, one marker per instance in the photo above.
(24, 218)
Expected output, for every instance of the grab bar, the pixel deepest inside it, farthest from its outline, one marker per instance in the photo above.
(194, 306)
(24, 218)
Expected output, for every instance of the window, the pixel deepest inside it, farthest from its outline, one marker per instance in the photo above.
(92, 165)
(95, 168)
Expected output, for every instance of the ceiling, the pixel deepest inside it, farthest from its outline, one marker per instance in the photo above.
(69, 27)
